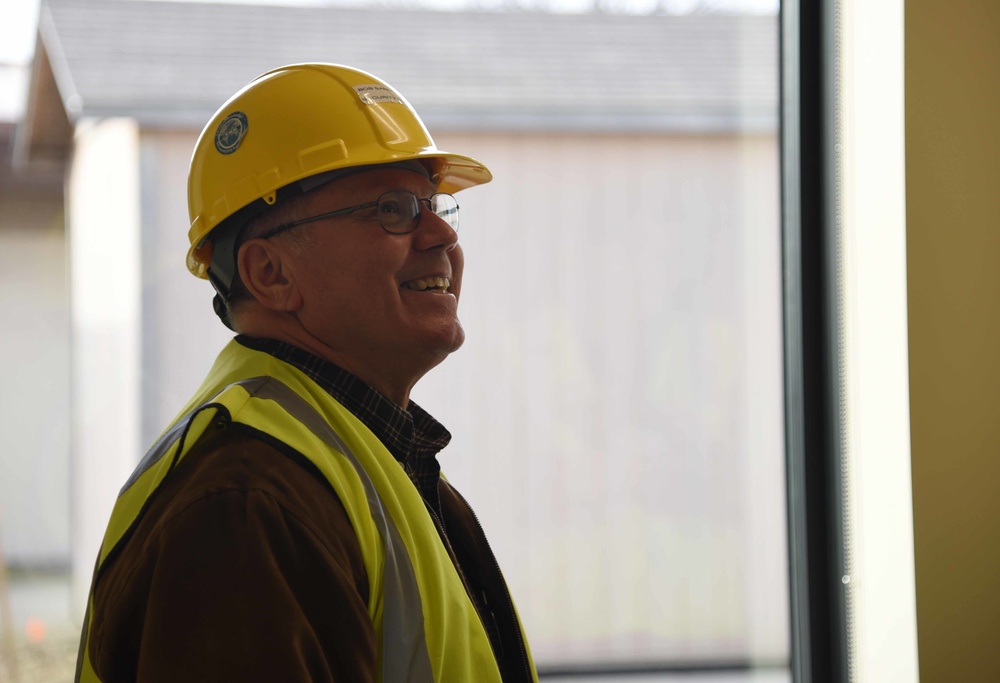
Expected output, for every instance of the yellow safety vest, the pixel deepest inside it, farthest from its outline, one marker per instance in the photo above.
(426, 626)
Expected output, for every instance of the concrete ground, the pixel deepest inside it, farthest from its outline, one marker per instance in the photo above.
(38, 638)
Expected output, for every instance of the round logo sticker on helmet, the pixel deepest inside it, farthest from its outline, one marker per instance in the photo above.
(230, 132)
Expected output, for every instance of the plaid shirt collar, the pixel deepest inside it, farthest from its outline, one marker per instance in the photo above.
(412, 436)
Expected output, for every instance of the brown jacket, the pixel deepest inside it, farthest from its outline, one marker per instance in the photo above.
(245, 567)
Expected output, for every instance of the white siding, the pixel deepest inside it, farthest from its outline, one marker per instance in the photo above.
(617, 409)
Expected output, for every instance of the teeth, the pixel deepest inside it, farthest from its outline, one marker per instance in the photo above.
(423, 284)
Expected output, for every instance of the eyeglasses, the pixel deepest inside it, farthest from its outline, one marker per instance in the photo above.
(397, 211)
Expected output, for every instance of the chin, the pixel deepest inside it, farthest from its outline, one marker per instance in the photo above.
(458, 338)
(446, 342)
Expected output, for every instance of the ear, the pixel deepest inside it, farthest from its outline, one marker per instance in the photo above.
(264, 269)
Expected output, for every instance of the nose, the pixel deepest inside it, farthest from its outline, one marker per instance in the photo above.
(433, 231)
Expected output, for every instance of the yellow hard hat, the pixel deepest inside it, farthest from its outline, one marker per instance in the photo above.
(295, 122)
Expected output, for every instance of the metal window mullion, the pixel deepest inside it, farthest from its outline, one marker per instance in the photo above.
(811, 324)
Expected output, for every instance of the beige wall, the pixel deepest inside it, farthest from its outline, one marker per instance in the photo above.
(34, 378)
(953, 216)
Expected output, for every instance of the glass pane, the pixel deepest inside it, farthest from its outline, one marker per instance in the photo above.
(616, 410)
(627, 456)
(623, 304)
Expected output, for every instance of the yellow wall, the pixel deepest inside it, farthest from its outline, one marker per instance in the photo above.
(953, 260)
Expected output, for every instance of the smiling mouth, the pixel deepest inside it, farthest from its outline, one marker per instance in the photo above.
(433, 284)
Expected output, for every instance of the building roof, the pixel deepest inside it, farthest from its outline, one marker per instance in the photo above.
(172, 64)
(164, 60)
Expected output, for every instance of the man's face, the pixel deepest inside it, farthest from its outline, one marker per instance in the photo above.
(374, 298)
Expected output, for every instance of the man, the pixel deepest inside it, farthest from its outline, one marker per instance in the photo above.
(291, 524)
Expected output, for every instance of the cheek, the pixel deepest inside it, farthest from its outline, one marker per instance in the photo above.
(332, 286)
(358, 269)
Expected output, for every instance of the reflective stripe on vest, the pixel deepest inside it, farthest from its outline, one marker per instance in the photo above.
(404, 648)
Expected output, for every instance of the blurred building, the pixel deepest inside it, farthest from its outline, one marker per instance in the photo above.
(617, 410)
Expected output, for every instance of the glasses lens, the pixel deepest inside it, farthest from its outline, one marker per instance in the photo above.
(397, 211)
(445, 206)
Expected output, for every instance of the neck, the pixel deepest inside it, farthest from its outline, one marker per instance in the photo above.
(393, 378)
